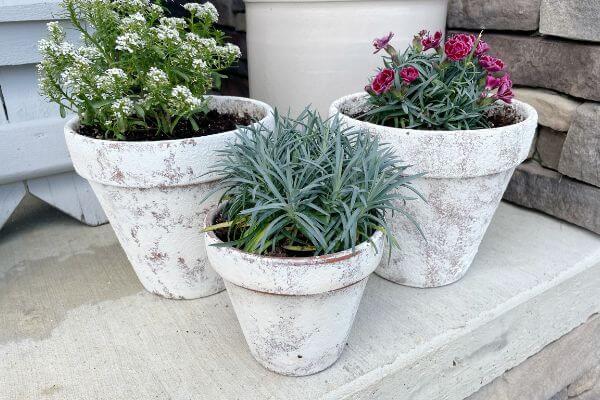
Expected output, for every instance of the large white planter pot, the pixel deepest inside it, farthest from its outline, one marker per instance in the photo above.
(466, 175)
(304, 52)
(151, 193)
(295, 313)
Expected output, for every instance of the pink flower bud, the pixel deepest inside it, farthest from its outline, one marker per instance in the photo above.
(482, 47)
(409, 74)
(382, 43)
(432, 42)
(492, 82)
(491, 64)
(504, 93)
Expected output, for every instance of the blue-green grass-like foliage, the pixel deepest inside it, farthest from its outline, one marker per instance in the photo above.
(309, 185)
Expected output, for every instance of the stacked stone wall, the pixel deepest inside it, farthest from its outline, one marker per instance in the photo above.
(552, 49)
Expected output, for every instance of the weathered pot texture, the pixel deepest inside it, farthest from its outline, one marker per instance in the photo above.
(325, 45)
(295, 312)
(151, 193)
(466, 175)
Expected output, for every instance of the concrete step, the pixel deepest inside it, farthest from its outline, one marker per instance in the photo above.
(76, 324)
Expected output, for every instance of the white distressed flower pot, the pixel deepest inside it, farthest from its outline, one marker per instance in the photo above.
(466, 175)
(151, 193)
(313, 51)
(295, 313)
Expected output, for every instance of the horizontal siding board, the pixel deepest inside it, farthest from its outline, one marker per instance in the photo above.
(19, 41)
(30, 10)
(33, 149)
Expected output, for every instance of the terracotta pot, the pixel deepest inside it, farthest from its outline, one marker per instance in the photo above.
(296, 312)
(313, 51)
(466, 175)
(151, 193)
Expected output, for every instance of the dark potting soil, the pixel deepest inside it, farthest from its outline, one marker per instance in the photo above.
(503, 115)
(223, 235)
(211, 123)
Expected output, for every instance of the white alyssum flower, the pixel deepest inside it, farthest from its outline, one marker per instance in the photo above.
(129, 41)
(122, 107)
(157, 75)
(134, 21)
(229, 50)
(56, 31)
(173, 22)
(182, 99)
(166, 33)
(206, 10)
(198, 63)
(111, 82)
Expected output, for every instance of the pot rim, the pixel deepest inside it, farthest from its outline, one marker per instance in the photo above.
(530, 113)
(296, 261)
(159, 163)
(73, 125)
(454, 154)
(293, 276)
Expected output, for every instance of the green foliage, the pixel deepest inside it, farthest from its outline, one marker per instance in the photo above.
(309, 184)
(136, 68)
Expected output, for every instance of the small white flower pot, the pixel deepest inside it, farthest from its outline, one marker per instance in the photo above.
(151, 193)
(313, 51)
(295, 312)
(466, 175)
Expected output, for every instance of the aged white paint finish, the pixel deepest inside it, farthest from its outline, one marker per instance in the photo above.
(151, 193)
(328, 45)
(23, 101)
(33, 149)
(10, 197)
(296, 313)
(71, 194)
(534, 279)
(466, 175)
(19, 44)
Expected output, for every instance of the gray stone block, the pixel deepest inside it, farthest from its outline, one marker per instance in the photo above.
(580, 158)
(555, 110)
(573, 19)
(567, 67)
(549, 146)
(546, 375)
(520, 15)
(585, 383)
(548, 191)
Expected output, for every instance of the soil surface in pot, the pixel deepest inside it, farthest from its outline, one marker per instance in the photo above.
(498, 117)
(211, 123)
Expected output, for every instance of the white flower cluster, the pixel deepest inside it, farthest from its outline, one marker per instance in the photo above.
(136, 67)
(134, 21)
(183, 101)
(203, 11)
(129, 41)
(112, 83)
(122, 108)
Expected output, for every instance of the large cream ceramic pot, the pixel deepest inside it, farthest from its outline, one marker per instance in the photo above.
(314, 51)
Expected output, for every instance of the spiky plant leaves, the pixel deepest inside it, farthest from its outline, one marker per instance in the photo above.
(309, 184)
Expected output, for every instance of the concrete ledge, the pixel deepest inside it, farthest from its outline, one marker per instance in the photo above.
(534, 280)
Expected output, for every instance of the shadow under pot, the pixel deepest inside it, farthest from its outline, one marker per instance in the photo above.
(295, 312)
(467, 172)
(151, 192)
